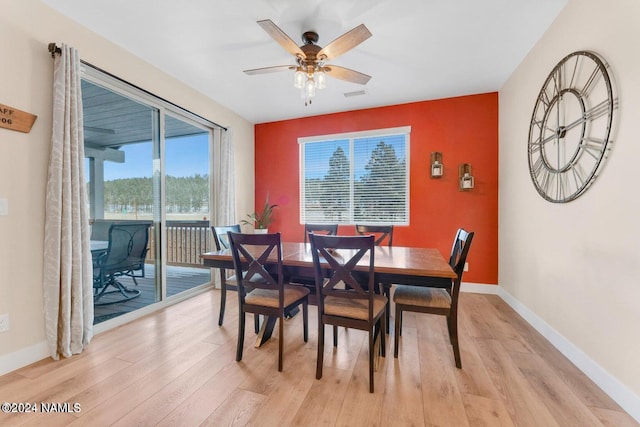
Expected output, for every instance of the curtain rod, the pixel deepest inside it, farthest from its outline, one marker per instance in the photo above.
(53, 48)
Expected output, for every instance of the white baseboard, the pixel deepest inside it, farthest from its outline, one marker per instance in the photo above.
(479, 288)
(23, 357)
(620, 393)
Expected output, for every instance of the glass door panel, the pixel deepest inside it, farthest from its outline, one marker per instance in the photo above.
(187, 204)
(122, 145)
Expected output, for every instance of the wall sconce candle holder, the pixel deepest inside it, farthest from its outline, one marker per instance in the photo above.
(437, 168)
(465, 177)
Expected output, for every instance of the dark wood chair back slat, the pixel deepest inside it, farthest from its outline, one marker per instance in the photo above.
(381, 233)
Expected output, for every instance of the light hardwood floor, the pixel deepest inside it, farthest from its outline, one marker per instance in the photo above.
(177, 368)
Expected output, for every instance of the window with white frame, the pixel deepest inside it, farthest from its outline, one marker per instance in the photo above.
(355, 178)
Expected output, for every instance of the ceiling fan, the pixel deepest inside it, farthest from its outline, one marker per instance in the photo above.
(311, 67)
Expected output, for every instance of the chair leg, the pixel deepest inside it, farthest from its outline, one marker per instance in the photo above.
(320, 356)
(335, 336)
(223, 302)
(383, 336)
(371, 358)
(387, 293)
(305, 320)
(240, 336)
(452, 321)
(397, 329)
(256, 323)
(280, 340)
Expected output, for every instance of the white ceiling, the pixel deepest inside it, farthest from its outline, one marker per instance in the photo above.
(419, 50)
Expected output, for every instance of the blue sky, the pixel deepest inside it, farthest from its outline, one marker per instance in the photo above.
(185, 156)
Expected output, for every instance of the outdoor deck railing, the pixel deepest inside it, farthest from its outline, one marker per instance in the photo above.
(186, 240)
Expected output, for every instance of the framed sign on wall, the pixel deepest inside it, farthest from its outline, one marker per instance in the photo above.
(14, 119)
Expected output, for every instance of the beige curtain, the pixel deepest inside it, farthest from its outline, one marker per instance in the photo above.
(225, 205)
(68, 277)
(226, 200)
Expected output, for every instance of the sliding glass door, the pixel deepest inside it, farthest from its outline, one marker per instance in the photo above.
(187, 206)
(146, 164)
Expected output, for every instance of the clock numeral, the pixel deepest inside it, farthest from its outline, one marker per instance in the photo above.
(537, 167)
(546, 179)
(560, 187)
(535, 147)
(598, 110)
(594, 147)
(538, 123)
(544, 99)
(591, 81)
(557, 80)
(575, 69)
(577, 176)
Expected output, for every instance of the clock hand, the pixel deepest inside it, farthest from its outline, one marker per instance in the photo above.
(575, 123)
(560, 132)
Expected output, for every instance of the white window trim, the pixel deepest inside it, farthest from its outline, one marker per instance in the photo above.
(406, 130)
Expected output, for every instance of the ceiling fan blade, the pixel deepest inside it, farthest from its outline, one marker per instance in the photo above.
(281, 37)
(346, 74)
(345, 42)
(266, 70)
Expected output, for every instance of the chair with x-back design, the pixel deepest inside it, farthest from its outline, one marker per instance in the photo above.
(436, 295)
(257, 259)
(227, 282)
(344, 298)
(383, 235)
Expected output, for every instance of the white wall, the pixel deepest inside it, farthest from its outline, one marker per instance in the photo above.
(576, 266)
(26, 75)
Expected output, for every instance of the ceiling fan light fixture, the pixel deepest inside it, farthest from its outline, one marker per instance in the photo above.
(310, 70)
(320, 79)
(309, 90)
(299, 78)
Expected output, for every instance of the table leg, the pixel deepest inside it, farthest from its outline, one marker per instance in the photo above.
(266, 330)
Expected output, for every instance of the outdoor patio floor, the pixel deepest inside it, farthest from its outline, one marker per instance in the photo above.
(179, 279)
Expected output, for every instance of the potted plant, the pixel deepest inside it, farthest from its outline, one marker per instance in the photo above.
(261, 219)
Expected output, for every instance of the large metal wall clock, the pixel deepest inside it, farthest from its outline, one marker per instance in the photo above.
(570, 131)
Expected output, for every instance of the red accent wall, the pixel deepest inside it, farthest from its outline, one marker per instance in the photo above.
(464, 129)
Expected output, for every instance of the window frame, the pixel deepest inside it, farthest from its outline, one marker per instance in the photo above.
(351, 137)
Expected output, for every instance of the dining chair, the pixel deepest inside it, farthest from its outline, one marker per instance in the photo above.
(436, 295)
(309, 282)
(327, 229)
(345, 299)
(227, 282)
(261, 290)
(128, 243)
(383, 235)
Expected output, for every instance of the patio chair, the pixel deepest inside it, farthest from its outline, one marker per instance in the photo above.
(100, 229)
(436, 295)
(261, 287)
(125, 256)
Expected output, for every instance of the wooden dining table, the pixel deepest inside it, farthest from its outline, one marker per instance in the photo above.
(395, 264)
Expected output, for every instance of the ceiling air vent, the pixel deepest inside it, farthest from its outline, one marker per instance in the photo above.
(356, 93)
